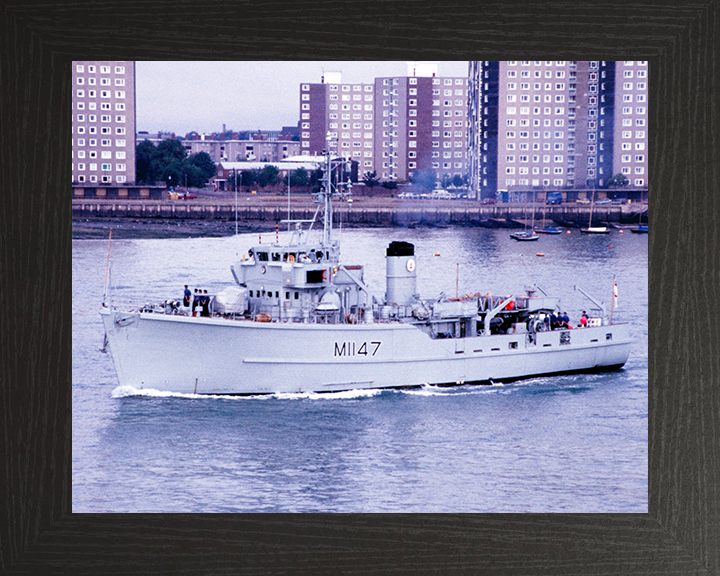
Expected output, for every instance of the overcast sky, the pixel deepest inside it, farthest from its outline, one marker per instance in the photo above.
(184, 96)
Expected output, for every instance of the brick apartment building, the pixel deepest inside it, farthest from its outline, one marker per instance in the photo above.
(394, 126)
(103, 123)
(557, 124)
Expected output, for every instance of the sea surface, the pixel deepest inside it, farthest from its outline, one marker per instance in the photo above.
(558, 444)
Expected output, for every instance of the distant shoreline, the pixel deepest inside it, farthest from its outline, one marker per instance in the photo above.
(213, 217)
(159, 228)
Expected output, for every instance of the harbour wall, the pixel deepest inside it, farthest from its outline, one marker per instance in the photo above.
(371, 214)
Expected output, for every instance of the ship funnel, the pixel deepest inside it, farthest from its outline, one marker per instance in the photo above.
(400, 273)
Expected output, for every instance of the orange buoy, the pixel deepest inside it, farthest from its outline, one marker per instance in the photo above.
(621, 231)
(540, 254)
(436, 254)
(568, 232)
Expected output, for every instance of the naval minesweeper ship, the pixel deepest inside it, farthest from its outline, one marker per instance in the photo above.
(299, 320)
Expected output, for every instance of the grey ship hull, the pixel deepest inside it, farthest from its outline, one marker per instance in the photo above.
(225, 356)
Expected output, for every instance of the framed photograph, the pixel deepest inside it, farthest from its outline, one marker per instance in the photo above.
(46, 533)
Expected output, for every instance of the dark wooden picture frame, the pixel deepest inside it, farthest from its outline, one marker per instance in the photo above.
(38, 532)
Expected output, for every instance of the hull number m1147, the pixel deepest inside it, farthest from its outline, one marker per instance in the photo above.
(356, 348)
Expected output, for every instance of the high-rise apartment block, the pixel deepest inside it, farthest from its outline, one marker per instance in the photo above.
(103, 123)
(338, 117)
(557, 124)
(395, 126)
(625, 136)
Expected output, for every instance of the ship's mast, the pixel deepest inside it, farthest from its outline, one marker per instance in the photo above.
(336, 170)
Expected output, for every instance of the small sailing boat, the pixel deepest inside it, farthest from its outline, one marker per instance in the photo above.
(641, 229)
(594, 229)
(547, 229)
(526, 235)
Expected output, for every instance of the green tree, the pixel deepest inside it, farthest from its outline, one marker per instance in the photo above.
(269, 176)
(168, 161)
(299, 177)
(370, 179)
(145, 160)
(173, 173)
(171, 149)
(249, 177)
(193, 176)
(618, 180)
(205, 166)
(389, 184)
(457, 181)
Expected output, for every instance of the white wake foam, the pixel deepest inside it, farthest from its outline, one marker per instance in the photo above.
(130, 391)
(461, 390)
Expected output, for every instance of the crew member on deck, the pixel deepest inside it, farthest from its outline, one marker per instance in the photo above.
(205, 304)
(583, 320)
(186, 296)
(566, 320)
(195, 302)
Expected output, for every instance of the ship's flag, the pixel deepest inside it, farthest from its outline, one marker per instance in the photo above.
(615, 294)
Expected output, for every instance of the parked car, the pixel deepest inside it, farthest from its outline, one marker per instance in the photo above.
(441, 194)
(582, 201)
(187, 196)
(489, 201)
(603, 201)
(554, 198)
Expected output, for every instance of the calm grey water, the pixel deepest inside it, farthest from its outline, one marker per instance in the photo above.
(562, 444)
